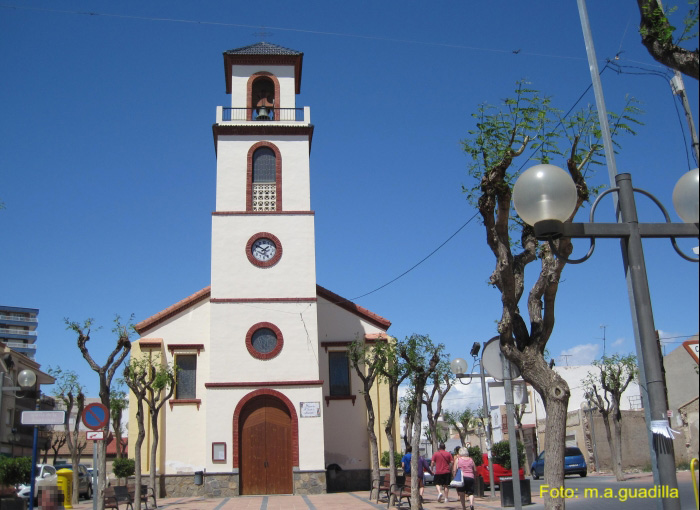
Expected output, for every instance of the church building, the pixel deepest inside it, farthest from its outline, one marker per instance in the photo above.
(266, 401)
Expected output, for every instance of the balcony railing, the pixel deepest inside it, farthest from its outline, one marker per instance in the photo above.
(13, 317)
(13, 331)
(263, 114)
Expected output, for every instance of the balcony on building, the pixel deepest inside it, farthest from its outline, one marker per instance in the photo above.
(263, 116)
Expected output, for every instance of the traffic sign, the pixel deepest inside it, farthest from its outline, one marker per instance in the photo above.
(43, 417)
(95, 416)
(692, 347)
(95, 435)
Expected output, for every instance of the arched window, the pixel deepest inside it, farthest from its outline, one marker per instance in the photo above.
(263, 99)
(264, 180)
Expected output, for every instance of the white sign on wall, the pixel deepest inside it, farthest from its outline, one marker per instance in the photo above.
(310, 409)
(43, 417)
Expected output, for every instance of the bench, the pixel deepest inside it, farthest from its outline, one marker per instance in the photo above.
(383, 485)
(147, 493)
(116, 496)
(400, 491)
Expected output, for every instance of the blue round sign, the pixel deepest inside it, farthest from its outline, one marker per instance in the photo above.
(95, 416)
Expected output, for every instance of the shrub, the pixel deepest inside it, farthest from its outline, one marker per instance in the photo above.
(15, 470)
(384, 461)
(123, 468)
(501, 454)
(475, 454)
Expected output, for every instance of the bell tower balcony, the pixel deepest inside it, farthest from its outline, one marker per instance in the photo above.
(259, 116)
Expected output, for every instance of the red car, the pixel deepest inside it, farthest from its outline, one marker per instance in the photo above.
(498, 472)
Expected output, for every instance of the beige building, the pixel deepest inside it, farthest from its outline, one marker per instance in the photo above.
(266, 399)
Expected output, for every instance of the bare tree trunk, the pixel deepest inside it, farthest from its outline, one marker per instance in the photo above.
(373, 448)
(554, 443)
(137, 451)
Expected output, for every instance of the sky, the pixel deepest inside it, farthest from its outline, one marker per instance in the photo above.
(107, 163)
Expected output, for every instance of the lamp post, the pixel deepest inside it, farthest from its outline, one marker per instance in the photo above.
(27, 380)
(459, 367)
(545, 197)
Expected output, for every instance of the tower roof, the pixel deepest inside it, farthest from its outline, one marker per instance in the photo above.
(263, 53)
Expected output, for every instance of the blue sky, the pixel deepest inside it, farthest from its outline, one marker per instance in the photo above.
(107, 164)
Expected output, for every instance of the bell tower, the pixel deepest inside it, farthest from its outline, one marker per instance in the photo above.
(263, 316)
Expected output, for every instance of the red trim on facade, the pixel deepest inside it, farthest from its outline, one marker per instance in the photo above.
(150, 343)
(185, 347)
(340, 397)
(263, 60)
(249, 91)
(264, 355)
(292, 412)
(173, 310)
(262, 213)
(263, 300)
(263, 263)
(259, 384)
(278, 176)
(185, 402)
(348, 305)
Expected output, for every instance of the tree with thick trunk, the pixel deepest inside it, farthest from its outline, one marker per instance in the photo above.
(105, 374)
(663, 43)
(528, 122)
(442, 380)
(604, 389)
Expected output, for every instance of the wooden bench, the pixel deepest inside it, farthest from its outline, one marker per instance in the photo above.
(116, 496)
(147, 493)
(383, 485)
(400, 491)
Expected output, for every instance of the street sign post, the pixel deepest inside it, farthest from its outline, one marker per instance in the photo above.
(95, 435)
(43, 417)
(95, 416)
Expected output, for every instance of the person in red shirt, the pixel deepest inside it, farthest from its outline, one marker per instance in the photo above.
(441, 464)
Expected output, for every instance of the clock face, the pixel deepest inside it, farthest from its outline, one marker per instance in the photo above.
(263, 249)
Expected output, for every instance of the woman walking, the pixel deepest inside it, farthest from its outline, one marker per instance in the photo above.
(465, 463)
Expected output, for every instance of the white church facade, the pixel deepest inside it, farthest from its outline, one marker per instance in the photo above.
(265, 398)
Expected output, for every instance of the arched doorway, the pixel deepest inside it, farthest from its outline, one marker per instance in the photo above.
(265, 446)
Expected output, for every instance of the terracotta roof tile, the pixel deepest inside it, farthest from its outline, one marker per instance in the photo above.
(348, 305)
(178, 307)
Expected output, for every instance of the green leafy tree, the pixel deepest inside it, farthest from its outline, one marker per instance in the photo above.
(476, 455)
(463, 421)
(152, 381)
(442, 380)
(501, 454)
(70, 393)
(384, 460)
(123, 467)
(528, 121)
(15, 470)
(604, 388)
(664, 42)
(422, 358)
(119, 401)
(105, 374)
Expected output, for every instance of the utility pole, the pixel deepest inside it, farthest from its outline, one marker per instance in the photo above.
(603, 326)
(679, 89)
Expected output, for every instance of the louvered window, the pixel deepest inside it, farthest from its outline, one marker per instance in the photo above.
(264, 180)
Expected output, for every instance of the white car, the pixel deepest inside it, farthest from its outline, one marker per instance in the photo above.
(44, 476)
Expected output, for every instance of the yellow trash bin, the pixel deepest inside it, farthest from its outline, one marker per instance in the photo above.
(65, 486)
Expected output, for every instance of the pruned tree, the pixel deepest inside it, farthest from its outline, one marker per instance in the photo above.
(105, 374)
(152, 381)
(604, 388)
(519, 411)
(70, 393)
(528, 121)
(407, 406)
(366, 360)
(463, 421)
(664, 42)
(422, 357)
(56, 440)
(442, 380)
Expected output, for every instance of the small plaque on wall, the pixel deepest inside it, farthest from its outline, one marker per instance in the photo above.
(218, 452)
(310, 409)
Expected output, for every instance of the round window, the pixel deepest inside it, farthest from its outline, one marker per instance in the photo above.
(264, 340)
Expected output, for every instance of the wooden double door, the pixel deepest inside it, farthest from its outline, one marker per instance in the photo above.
(265, 447)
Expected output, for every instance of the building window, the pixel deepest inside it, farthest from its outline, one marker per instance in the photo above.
(339, 373)
(264, 180)
(264, 340)
(186, 379)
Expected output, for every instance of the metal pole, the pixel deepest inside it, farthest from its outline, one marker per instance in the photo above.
(487, 432)
(510, 411)
(678, 87)
(94, 475)
(648, 356)
(34, 443)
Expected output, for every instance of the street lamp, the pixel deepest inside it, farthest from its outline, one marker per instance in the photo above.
(543, 198)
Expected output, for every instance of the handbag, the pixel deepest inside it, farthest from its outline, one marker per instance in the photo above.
(458, 480)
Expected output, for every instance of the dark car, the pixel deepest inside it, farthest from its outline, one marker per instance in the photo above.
(574, 463)
(84, 479)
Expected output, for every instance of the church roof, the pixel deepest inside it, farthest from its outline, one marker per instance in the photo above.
(263, 53)
(205, 293)
(262, 48)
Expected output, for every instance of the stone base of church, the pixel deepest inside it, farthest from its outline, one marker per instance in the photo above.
(309, 482)
(349, 480)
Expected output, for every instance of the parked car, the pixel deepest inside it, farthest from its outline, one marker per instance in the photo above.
(84, 479)
(498, 472)
(44, 476)
(574, 463)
